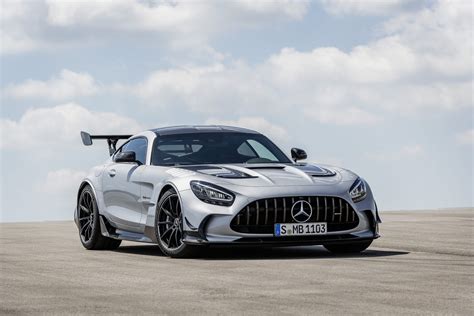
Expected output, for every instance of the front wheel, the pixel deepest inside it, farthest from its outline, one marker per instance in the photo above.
(169, 227)
(348, 247)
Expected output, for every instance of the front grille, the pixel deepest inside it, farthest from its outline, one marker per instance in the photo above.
(260, 216)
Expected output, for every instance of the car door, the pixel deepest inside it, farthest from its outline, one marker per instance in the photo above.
(121, 187)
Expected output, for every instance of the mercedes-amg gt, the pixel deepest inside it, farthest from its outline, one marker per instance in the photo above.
(186, 187)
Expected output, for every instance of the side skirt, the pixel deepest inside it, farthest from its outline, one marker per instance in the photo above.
(108, 231)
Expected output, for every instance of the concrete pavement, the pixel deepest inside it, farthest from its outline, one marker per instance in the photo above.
(423, 264)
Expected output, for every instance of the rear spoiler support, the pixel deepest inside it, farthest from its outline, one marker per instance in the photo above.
(111, 140)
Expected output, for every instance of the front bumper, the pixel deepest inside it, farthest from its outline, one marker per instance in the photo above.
(215, 228)
(206, 224)
(192, 239)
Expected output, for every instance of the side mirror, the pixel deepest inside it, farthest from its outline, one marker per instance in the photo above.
(298, 154)
(126, 156)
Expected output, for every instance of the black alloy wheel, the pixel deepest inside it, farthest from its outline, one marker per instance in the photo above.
(169, 226)
(88, 222)
(86, 216)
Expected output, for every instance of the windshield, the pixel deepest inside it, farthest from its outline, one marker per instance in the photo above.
(215, 148)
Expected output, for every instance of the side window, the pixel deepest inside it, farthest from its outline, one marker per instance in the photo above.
(245, 150)
(261, 150)
(137, 145)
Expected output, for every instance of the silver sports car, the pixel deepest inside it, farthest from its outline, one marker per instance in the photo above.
(191, 186)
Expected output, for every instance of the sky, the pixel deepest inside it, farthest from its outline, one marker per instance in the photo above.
(384, 88)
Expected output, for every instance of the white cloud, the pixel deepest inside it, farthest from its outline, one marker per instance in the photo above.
(440, 36)
(408, 152)
(466, 137)
(60, 186)
(259, 124)
(421, 62)
(408, 71)
(28, 25)
(59, 127)
(208, 89)
(67, 86)
(16, 17)
(62, 182)
(245, 90)
(365, 7)
(168, 15)
(343, 116)
(294, 9)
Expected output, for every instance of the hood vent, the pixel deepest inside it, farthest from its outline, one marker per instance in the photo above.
(279, 167)
(315, 171)
(219, 172)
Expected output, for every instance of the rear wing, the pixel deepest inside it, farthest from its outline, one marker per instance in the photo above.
(111, 140)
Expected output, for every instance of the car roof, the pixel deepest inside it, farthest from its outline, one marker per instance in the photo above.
(192, 129)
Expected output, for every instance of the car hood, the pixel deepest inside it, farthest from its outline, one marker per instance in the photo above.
(259, 175)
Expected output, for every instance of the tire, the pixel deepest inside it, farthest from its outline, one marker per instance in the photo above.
(169, 227)
(89, 224)
(349, 247)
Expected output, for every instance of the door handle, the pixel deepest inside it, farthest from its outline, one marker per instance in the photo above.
(112, 172)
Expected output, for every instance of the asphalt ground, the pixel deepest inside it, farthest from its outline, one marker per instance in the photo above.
(423, 264)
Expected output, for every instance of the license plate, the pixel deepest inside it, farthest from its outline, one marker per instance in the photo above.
(300, 229)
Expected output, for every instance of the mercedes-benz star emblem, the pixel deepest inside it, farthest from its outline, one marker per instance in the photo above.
(301, 211)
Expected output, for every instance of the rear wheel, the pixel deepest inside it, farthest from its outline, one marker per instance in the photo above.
(349, 247)
(169, 227)
(89, 226)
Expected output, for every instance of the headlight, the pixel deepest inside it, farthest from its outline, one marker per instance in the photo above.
(212, 194)
(358, 190)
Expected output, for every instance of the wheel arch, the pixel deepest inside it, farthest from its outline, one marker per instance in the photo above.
(165, 188)
(84, 183)
(150, 226)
